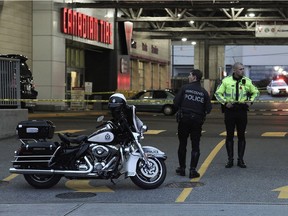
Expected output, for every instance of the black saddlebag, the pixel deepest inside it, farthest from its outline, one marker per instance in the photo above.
(35, 129)
(32, 153)
(37, 148)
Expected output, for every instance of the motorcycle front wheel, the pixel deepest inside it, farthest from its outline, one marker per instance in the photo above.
(151, 175)
(42, 181)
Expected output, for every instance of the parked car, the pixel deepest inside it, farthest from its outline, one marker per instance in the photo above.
(277, 87)
(154, 101)
(27, 88)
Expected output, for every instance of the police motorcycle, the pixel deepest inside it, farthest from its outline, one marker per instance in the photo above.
(113, 150)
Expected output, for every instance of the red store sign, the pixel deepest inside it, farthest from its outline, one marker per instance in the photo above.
(84, 26)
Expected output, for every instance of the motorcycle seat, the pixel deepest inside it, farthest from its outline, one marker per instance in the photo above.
(72, 139)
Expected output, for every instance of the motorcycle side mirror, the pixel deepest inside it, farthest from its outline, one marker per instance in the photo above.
(100, 118)
(144, 128)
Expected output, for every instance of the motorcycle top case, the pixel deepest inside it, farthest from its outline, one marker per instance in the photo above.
(35, 129)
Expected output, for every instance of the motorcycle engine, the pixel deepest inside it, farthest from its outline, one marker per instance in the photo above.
(104, 157)
(100, 151)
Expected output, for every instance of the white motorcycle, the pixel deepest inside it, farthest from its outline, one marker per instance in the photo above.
(108, 153)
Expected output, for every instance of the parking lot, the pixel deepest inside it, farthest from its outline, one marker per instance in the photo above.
(260, 189)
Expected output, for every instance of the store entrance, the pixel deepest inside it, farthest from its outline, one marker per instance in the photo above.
(75, 89)
(76, 79)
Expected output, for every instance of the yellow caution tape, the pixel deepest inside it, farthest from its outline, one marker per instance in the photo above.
(102, 93)
(154, 101)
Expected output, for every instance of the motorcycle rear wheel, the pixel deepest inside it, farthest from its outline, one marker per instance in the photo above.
(150, 177)
(42, 181)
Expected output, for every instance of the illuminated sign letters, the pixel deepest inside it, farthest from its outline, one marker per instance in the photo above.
(84, 26)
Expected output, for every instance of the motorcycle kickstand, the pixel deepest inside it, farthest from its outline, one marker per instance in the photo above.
(112, 181)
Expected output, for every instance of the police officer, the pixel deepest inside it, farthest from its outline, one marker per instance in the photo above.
(236, 93)
(193, 103)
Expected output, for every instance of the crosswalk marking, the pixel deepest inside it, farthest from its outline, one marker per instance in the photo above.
(265, 134)
(84, 186)
(69, 131)
(10, 177)
(274, 134)
(154, 132)
(225, 133)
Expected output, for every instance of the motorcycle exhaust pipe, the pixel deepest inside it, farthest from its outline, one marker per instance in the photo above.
(52, 171)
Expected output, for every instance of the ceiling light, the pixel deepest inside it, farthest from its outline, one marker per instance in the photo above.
(184, 39)
(251, 14)
(109, 14)
(193, 43)
(191, 22)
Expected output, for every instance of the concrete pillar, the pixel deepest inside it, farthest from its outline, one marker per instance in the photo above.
(216, 61)
(135, 76)
(210, 65)
(147, 75)
(156, 76)
(48, 52)
(199, 56)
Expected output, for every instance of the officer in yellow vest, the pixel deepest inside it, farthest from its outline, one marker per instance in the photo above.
(236, 93)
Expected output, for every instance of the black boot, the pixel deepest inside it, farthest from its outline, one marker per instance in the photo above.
(230, 152)
(180, 171)
(193, 164)
(241, 163)
(193, 174)
(182, 162)
(229, 163)
(241, 150)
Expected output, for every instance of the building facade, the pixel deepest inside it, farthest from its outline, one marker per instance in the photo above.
(261, 62)
(72, 49)
(16, 31)
(78, 52)
(150, 63)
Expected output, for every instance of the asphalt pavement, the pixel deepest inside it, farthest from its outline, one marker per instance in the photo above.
(131, 209)
(140, 209)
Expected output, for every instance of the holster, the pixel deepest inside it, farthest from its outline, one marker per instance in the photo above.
(192, 116)
(179, 115)
(240, 106)
(223, 108)
(236, 107)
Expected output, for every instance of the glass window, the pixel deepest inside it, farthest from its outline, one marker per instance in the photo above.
(141, 74)
(75, 58)
(68, 56)
(146, 95)
(82, 59)
(160, 95)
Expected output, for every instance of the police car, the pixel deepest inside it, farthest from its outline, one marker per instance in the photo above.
(277, 87)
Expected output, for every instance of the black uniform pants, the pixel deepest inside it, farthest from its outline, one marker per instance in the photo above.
(189, 126)
(235, 119)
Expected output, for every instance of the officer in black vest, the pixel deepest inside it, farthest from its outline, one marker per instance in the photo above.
(193, 103)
